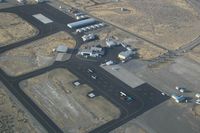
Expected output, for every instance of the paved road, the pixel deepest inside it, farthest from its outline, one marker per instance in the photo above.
(145, 96)
(14, 88)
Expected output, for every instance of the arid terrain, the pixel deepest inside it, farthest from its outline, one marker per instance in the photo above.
(10, 25)
(85, 3)
(34, 55)
(195, 54)
(68, 105)
(13, 117)
(168, 23)
(152, 28)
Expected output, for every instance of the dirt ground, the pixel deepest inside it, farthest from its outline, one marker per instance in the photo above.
(34, 55)
(169, 23)
(10, 25)
(129, 127)
(12, 116)
(196, 110)
(67, 105)
(145, 50)
(195, 54)
(85, 3)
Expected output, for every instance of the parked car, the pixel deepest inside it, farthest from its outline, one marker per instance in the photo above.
(197, 95)
(181, 89)
(197, 101)
(90, 70)
(108, 63)
(93, 76)
(123, 96)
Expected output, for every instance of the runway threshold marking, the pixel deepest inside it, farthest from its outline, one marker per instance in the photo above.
(42, 18)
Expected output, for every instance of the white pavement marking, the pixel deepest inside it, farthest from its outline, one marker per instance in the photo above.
(42, 18)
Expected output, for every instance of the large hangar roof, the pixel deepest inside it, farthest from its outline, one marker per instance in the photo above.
(81, 23)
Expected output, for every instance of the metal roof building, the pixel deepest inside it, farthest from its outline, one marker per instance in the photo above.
(125, 54)
(111, 43)
(93, 52)
(82, 23)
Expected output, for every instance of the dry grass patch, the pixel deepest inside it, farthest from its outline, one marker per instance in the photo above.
(195, 54)
(196, 110)
(169, 23)
(13, 29)
(35, 55)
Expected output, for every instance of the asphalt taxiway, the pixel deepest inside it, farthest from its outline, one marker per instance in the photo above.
(145, 96)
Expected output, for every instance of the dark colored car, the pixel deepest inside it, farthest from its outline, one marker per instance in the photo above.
(125, 97)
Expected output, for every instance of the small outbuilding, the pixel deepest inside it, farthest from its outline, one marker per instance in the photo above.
(111, 43)
(92, 52)
(92, 94)
(124, 55)
(76, 83)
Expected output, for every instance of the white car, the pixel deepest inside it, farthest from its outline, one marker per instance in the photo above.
(123, 61)
(93, 76)
(163, 93)
(108, 63)
(182, 90)
(198, 101)
(90, 70)
(197, 95)
(101, 24)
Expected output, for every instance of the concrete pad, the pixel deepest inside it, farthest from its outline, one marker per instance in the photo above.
(63, 57)
(169, 118)
(42, 18)
(124, 75)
